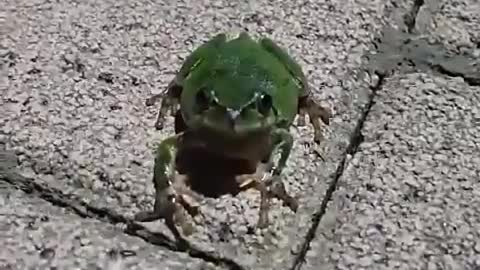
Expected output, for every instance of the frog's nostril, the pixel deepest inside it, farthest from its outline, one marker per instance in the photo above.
(233, 114)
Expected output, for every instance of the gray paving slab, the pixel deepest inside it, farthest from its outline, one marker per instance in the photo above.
(37, 235)
(456, 24)
(76, 75)
(409, 198)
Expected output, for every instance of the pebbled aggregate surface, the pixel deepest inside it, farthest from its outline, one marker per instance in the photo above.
(456, 24)
(409, 198)
(75, 76)
(37, 235)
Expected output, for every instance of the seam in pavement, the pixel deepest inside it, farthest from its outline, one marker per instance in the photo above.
(470, 80)
(355, 140)
(84, 210)
(409, 20)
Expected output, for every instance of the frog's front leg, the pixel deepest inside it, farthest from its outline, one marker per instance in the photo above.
(316, 113)
(168, 201)
(169, 101)
(273, 186)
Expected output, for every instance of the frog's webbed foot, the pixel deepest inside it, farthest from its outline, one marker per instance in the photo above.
(277, 190)
(174, 204)
(166, 207)
(271, 188)
(316, 114)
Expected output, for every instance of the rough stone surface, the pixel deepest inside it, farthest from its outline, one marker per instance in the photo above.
(76, 74)
(409, 198)
(37, 235)
(456, 24)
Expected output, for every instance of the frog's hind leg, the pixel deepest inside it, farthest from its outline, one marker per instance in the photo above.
(316, 113)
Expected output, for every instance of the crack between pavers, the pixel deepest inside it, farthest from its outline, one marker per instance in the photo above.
(84, 210)
(471, 80)
(355, 140)
(410, 18)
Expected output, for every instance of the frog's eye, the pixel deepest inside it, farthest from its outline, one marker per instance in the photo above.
(264, 104)
(202, 100)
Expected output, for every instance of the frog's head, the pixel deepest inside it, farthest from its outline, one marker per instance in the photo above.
(233, 108)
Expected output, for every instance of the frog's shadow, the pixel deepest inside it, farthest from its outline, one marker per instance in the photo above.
(209, 174)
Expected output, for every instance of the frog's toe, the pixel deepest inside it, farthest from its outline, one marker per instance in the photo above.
(301, 118)
(263, 212)
(262, 220)
(277, 189)
(146, 216)
(190, 205)
(159, 124)
(181, 219)
(318, 136)
(153, 99)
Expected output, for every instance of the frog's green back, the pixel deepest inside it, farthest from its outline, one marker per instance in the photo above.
(239, 68)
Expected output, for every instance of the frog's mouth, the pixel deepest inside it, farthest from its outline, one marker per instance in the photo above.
(233, 123)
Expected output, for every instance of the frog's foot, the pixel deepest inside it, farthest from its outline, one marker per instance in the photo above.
(315, 113)
(276, 188)
(273, 187)
(173, 207)
(188, 198)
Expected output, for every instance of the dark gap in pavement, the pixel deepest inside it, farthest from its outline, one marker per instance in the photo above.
(355, 140)
(59, 199)
(470, 79)
(410, 18)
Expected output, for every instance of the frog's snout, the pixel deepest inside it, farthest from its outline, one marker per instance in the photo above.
(233, 115)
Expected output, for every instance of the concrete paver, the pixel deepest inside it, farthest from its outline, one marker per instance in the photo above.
(37, 235)
(77, 75)
(456, 24)
(409, 197)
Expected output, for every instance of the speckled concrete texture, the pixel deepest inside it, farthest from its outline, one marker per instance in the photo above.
(78, 73)
(74, 76)
(37, 235)
(454, 23)
(409, 198)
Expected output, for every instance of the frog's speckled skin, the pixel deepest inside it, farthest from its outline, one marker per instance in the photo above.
(237, 99)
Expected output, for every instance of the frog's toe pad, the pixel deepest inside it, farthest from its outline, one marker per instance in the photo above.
(159, 124)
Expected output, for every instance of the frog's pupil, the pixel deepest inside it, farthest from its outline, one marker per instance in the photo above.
(264, 104)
